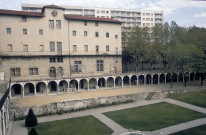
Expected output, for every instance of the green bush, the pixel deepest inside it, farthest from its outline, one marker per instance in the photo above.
(33, 132)
(31, 119)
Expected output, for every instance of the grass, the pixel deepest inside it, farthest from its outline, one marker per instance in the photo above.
(197, 98)
(87, 125)
(153, 117)
(200, 130)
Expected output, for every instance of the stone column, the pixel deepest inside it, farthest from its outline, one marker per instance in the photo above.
(137, 81)
(23, 92)
(114, 83)
(34, 90)
(122, 83)
(88, 86)
(158, 82)
(58, 89)
(152, 79)
(145, 79)
(165, 78)
(10, 93)
(130, 82)
(105, 83)
(177, 77)
(189, 78)
(47, 89)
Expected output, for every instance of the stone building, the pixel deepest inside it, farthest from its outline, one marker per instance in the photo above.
(44, 52)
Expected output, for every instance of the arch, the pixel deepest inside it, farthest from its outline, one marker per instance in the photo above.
(73, 85)
(63, 86)
(141, 80)
(174, 77)
(118, 81)
(83, 84)
(155, 79)
(28, 89)
(92, 83)
(180, 77)
(41, 88)
(52, 72)
(101, 82)
(168, 78)
(126, 80)
(16, 90)
(134, 80)
(192, 76)
(162, 78)
(148, 79)
(52, 85)
(110, 82)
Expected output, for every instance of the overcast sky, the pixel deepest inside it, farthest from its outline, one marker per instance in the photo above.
(184, 12)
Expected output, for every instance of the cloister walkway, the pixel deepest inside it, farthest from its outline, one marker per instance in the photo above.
(46, 99)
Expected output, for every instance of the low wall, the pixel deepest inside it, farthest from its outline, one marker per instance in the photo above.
(73, 105)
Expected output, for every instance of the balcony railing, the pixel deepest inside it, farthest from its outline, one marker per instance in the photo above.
(63, 53)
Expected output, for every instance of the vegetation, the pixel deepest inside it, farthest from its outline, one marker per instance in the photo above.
(197, 98)
(87, 125)
(178, 48)
(31, 119)
(33, 132)
(201, 130)
(153, 117)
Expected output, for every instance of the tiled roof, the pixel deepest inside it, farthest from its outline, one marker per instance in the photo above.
(52, 6)
(76, 17)
(20, 13)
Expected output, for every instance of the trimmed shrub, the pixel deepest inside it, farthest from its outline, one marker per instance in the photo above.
(31, 119)
(33, 132)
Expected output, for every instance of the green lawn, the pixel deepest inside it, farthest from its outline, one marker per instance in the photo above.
(201, 130)
(153, 117)
(197, 98)
(87, 125)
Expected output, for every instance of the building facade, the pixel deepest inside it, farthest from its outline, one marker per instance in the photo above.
(130, 18)
(51, 45)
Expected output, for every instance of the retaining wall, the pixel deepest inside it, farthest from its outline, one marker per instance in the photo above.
(71, 105)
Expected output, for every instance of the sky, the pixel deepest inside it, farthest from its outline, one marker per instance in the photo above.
(183, 12)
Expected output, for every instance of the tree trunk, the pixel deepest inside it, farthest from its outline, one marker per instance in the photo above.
(136, 67)
(202, 78)
(171, 81)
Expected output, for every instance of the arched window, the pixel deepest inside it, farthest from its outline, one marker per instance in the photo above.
(52, 72)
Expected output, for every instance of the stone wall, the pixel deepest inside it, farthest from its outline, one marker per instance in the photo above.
(66, 106)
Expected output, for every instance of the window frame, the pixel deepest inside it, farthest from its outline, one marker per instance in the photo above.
(51, 24)
(107, 34)
(8, 30)
(96, 34)
(52, 46)
(24, 31)
(100, 65)
(24, 19)
(86, 48)
(107, 48)
(33, 71)
(74, 33)
(74, 48)
(58, 24)
(41, 32)
(16, 73)
(85, 33)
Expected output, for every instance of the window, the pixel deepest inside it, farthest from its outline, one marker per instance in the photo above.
(52, 60)
(58, 24)
(107, 34)
(59, 48)
(151, 19)
(52, 72)
(97, 48)
(10, 48)
(51, 24)
(86, 48)
(60, 71)
(77, 66)
(85, 23)
(40, 31)
(59, 59)
(41, 48)
(25, 48)
(8, 30)
(100, 65)
(107, 12)
(52, 47)
(74, 48)
(85, 33)
(96, 23)
(33, 71)
(96, 34)
(97, 11)
(24, 31)
(107, 48)
(24, 19)
(116, 51)
(74, 33)
(116, 36)
(15, 71)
